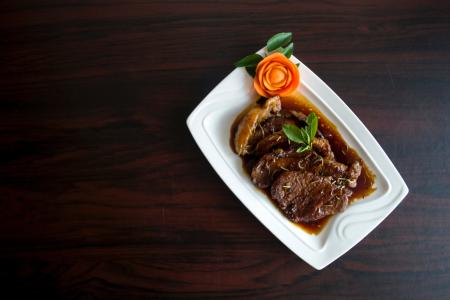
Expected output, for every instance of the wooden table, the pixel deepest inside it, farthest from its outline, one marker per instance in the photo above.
(104, 193)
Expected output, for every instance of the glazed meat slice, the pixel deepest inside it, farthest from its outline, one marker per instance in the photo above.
(260, 130)
(299, 115)
(323, 147)
(264, 131)
(272, 141)
(340, 172)
(270, 165)
(251, 120)
(276, 122)
(353, 173)
(279, 140)
(307, 197)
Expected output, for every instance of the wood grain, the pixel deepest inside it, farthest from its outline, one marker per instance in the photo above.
(104, 194)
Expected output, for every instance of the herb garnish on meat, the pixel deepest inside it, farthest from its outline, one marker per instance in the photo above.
(304, 135)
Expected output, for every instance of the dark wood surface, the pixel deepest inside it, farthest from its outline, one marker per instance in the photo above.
(105, 195)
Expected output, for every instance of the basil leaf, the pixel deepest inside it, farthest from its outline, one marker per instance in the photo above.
(303, 149)
(309, 118)
(279, 49)
(279, 40)
(313, 123)
(249, 61)
(297, 64)
(293, 133)
(288, 50)
(251, 70)
(305, 135)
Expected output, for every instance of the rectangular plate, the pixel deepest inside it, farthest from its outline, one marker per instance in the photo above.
(210, 124)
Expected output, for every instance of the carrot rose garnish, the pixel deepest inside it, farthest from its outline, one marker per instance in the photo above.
(276, 75)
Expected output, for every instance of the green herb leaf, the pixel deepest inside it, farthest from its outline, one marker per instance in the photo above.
(279, 40)
(304, 135)
(249, 61)
(288, 50)
(279, 49)
(251, 70)
(303, 149)
(293, 133)
(313, 123)
(297, 64)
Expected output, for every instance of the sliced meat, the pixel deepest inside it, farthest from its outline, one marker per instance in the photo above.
(250, 121)
(279, 140)
(268, 127)
(272, 141)
(307, 197)
(322, 146)
(276, 122)
(299, 115)
(342, 173)
(330, 168)
(353, 173)
(270, 165)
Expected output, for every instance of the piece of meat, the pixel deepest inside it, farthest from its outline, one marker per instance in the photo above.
(353, 173)
(279, 140)
(272, 141)
(271, 164)
(330, 168)
(250, 121)
(272, 125)
(275, 123)
(342, 173)
(322, 146)
(307, 197)
(299, 115)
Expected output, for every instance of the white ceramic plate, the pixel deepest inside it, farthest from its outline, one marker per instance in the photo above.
(210, 124)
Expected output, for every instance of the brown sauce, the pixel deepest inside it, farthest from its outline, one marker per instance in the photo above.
(342, 152)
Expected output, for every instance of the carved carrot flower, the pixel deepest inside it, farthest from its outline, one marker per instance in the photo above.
(274, 74)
